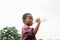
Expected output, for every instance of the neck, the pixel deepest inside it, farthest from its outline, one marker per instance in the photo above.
(26, 24)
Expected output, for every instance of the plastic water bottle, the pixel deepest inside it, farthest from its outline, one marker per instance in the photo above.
(44, 19)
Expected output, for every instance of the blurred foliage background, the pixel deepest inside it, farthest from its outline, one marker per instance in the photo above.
(9, 33)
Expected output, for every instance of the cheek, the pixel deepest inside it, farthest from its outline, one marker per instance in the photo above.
(26, 21)
(30, 22)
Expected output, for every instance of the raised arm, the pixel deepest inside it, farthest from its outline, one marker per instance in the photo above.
(37, 26)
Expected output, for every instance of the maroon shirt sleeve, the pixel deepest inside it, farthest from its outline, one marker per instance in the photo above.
(27, 33)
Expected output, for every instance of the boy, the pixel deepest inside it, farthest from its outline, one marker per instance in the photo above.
(27, 32)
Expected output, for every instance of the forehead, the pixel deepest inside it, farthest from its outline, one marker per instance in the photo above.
(30, 16)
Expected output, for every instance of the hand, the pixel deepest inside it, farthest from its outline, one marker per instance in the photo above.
(38, 20)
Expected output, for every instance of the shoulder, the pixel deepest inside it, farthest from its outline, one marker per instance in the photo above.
(25, 27)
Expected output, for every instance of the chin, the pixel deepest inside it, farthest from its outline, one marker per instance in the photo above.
(31, 24)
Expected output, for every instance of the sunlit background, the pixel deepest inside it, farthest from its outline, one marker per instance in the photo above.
(11, 12)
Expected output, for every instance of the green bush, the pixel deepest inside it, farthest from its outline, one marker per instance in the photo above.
(9, 33)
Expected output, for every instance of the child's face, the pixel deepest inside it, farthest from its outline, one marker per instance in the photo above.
(29, 20)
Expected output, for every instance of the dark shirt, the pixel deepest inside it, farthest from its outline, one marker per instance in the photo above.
(27, 33)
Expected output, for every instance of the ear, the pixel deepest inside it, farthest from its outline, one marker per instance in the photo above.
(24, 20)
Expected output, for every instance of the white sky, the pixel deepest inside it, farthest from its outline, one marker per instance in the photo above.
(11, 12)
